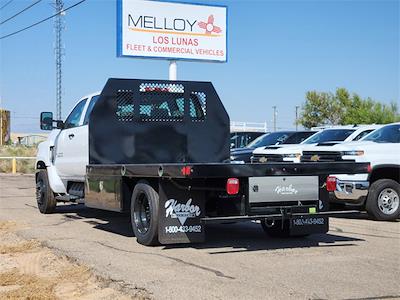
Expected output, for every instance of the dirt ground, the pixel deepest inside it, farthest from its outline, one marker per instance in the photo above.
(29, 270)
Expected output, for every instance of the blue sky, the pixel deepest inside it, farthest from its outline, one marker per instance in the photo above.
(278, 50)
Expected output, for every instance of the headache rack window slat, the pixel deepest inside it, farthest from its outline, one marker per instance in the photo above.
(125, 105)
(161, 103)
(198, 106)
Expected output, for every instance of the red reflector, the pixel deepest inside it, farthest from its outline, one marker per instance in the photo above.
(331, 183)
(232, 186)
(186, 171)
(369, 168)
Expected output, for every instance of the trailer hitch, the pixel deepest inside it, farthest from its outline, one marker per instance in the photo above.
(269, 222)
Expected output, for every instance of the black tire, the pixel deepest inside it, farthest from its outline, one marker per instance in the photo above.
(383, 200)
(46, 201)
(276, 230)
(144, 214)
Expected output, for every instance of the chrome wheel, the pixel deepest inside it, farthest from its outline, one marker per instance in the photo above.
(142, 214)
(388, 201)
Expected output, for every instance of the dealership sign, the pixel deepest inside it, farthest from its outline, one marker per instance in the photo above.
(168, 30)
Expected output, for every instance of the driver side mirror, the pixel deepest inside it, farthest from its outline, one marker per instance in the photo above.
(46, 121)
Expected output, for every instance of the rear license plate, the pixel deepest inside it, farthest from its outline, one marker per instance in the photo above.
(308, 225)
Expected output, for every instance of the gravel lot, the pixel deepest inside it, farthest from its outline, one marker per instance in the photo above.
(357, 259)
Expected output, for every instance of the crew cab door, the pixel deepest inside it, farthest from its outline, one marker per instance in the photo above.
(71, 147)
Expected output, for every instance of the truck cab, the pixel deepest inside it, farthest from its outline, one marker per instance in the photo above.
(65, 153)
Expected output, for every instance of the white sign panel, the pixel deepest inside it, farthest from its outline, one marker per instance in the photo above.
(168, 30)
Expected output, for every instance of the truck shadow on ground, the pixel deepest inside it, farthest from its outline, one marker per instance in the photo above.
(249, 236)
(109, 221)
(236, 237)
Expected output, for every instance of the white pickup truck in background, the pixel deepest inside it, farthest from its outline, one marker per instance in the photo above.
(326, 137)
(379, 191)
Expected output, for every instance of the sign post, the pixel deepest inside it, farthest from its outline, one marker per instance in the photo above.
(172, 31)
(173, 70)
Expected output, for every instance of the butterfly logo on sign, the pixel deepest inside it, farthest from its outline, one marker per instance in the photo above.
(209, 26)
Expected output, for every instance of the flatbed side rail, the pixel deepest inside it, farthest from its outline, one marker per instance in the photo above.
(226, 169)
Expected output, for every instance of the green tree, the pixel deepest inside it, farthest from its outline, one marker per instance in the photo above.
(321, 108)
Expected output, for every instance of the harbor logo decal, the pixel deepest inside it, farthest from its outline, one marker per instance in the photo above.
(181, 212)
(286, 190)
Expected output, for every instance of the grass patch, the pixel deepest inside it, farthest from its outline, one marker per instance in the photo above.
(26, 166)
(17, 151)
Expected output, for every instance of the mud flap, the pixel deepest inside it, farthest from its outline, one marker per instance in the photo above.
(309, 224)
(180, 215)
(304, 225)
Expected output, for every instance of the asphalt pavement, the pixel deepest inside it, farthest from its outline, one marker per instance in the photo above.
(358, 259)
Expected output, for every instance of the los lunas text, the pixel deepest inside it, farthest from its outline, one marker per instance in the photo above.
(151, 22)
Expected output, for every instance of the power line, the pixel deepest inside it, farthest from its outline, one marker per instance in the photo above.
(6, 4)
(41, 21)
(20, 12)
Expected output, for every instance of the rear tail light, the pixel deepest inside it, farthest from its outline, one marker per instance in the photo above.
(232, 186)
(331, 183)
(369, 169)
(186, 171)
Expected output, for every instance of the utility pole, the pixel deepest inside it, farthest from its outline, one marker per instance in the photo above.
(59, 52)
(274, 107)
(297, 109)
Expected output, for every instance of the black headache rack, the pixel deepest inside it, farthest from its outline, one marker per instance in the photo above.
(156, 121)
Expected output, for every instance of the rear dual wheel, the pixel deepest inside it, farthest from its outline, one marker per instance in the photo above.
(144, 214)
